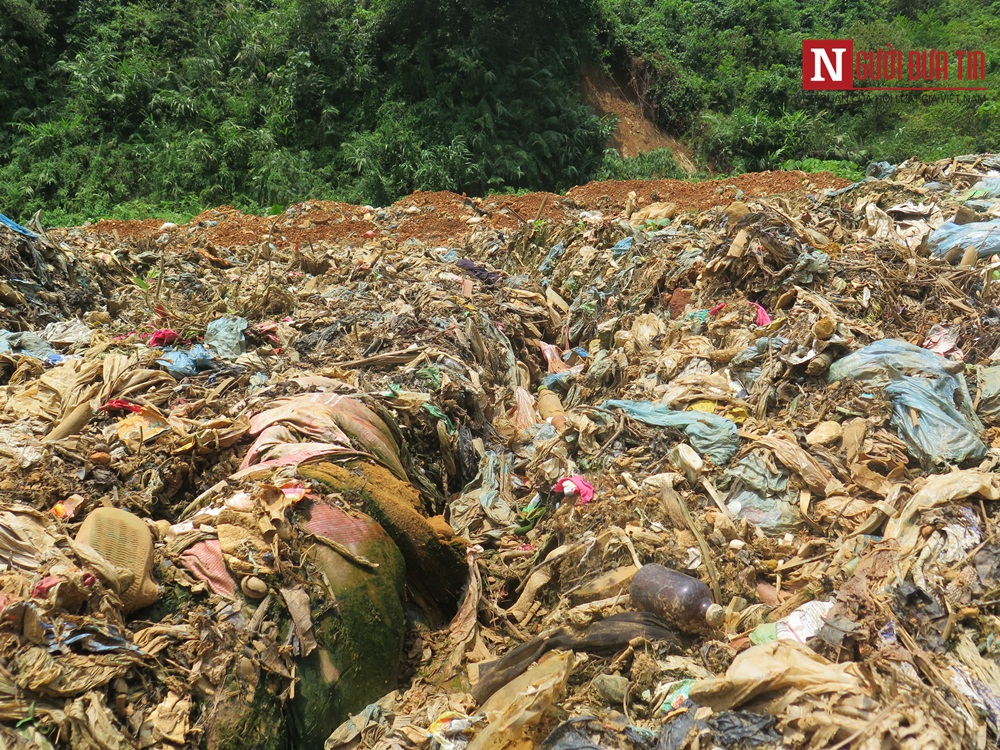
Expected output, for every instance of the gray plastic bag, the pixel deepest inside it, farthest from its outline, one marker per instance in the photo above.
(989, 393)
(761, 496)
(942, 434)
(224, 336)
(988, 187)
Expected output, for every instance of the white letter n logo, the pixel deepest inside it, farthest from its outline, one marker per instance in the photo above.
(834, 73)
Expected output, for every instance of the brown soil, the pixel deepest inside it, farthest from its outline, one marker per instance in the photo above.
(698, 196)
(636, 133)
(443, 218)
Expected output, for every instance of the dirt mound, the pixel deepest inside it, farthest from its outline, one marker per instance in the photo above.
(444, 218)
(698, 196)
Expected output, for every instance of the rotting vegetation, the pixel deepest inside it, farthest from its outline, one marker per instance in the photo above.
(773, 383)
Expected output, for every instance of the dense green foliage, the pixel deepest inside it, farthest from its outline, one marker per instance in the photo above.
(118, 107)
(139, 104)
(651, 165)
(841, 168)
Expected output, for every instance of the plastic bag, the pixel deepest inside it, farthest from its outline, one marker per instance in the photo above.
(729, 730)
(982, 235)
(809, 265)
(181, 363)
(589, 733)
(878, 362)
(932, 408)
(758, 348)
(553, 257)
(939, 490)
(225, 336)
(989, 392)
(486, 494)
(942, 434)
(178, 363)
(880, 170)
(523, 702)
(775, 667)
(988, 187)
(762, 497)
(621, 247)
(801, 625)
(67, 333)
(26, 342)
(11, 224)
(712, 436)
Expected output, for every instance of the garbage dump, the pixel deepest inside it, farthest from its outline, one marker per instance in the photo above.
(647, 465)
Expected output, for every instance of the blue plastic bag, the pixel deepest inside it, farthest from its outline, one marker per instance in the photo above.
(201, 356)
(988, 187)
(622, 247)
(11, 224)
(947, 428)
(982, 235)
(555, 254)
(880, 170)
(878, 362)
(26, 342)
(942, 434)
(179, 364)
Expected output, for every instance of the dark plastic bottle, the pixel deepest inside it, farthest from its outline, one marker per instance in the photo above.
(681, 600)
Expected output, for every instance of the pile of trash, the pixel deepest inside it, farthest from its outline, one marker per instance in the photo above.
(649, 465)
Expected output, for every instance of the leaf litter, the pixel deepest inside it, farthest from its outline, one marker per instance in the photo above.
(382, 477)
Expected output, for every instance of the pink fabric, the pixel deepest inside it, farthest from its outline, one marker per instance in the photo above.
(268, 331)
(274, 435)
(318, 416)
(120, 403)
(942, 340)
(163, 336)
(44, 586)
(205, 561)
(553, 356)
(582, 487)
(6, 601)
(763, 318)
(524, 412)
(294, 490)
(332, 523)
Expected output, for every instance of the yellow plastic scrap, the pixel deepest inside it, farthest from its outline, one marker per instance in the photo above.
(703, 404)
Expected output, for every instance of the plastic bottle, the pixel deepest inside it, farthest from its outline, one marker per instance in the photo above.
(681, 600)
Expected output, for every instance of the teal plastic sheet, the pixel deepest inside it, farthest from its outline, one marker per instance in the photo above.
(712, 436)
(942, 434)
(224, 336)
